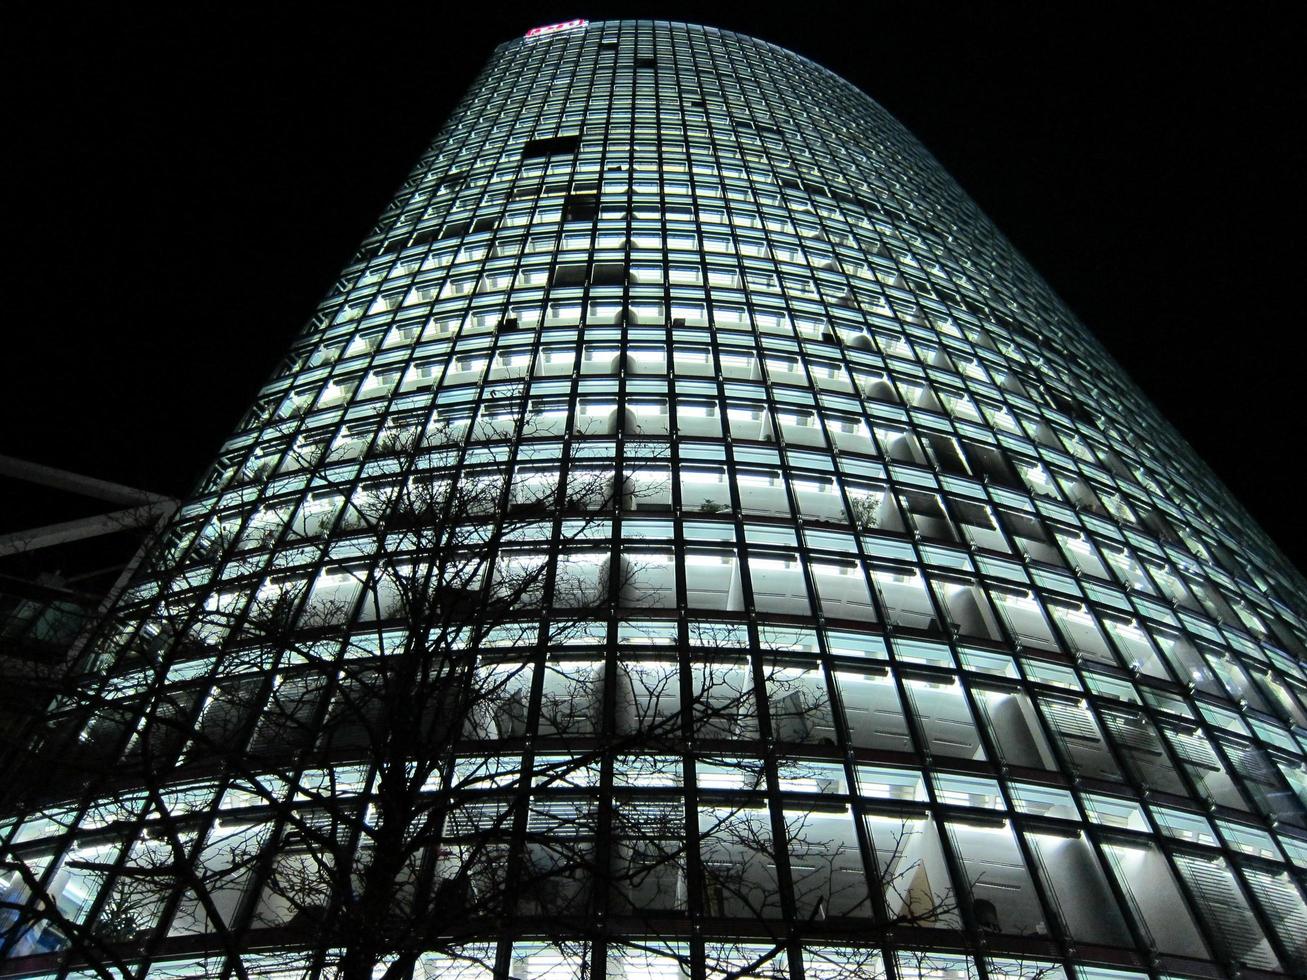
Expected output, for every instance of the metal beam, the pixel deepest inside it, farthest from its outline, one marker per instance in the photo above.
(33, 539)
(86, 486)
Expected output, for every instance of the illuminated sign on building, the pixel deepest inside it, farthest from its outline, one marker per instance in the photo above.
(566, 25)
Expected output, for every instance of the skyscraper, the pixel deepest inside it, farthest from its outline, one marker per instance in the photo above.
(832, 603)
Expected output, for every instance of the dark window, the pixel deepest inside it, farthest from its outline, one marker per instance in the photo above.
(569, 275)
(645, 61)
(973, 514)
(1155, 522)
(990, 462)
(923, 504)
(485, 224)
(550, 145)
(1069, 405)
(608, 274)
(928, 515)
(580, 207)
(946, 454)
(423, 236)
(1025, 526)
(455, 230)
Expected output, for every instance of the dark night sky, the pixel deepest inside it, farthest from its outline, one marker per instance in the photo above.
(186, 183)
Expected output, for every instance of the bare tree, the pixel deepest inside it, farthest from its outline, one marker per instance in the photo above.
(348, 774)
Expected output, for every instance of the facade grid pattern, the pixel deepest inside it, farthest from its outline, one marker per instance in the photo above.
(866, 463)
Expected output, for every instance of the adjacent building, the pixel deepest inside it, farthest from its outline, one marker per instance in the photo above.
(998, 679)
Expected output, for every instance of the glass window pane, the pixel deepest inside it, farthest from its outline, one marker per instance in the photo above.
(1142, 873)
(911, 872)
(1003, 898)
(943, 717)
(1230, 923)
(1014, 728)
(1079, 888)
(873, 712)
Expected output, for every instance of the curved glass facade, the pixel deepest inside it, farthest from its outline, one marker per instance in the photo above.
(1018, 683)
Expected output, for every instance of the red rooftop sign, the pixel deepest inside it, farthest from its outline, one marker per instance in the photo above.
(566, 25)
